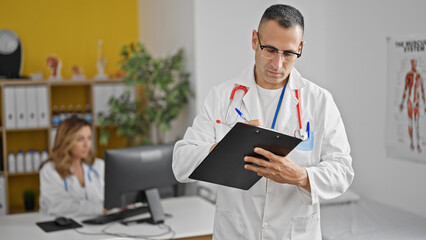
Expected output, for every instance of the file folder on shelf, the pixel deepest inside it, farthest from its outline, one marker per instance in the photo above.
(107, 93)
(97, 99)
(9, 107)
(21, 107)
(119, 89)
(225, 164)
(2, 197)
(102, 93)
(42, 106)
(31, 102)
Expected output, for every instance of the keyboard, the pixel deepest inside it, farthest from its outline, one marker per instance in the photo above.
(104, 219)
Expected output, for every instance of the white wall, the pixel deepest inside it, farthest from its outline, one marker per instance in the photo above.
(345, 52)
(164, 27)
(357, 77)
(223, 31)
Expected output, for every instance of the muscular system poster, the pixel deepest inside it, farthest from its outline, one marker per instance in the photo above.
(406, 100)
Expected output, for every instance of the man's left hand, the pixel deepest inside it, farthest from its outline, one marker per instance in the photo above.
(279, 169)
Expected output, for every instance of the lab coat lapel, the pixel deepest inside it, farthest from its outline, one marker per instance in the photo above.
(252, 104)
(289, 105)
(90, 185)
(251, 98)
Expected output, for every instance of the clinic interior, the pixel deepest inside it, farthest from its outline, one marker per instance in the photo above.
(345, 52)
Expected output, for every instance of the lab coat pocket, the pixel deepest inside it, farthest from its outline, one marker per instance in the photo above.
(304, 158)
(307, 145)
(227, 224)
(305, 227)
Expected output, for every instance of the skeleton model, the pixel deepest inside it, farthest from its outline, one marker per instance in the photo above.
(55, 65)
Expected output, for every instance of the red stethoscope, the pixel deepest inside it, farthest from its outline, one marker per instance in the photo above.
(231, 117)
(299, 133)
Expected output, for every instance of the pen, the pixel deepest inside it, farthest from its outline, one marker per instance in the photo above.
(308, 129)
(241, 114)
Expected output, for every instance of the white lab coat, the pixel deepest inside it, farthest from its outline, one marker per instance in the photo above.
(70, 199)
(271, 210)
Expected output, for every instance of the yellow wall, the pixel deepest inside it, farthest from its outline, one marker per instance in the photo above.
(70, 29)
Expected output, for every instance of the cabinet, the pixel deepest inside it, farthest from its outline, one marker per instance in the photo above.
(68, 95)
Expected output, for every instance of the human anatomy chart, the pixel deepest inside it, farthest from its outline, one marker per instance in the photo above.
(406, 99)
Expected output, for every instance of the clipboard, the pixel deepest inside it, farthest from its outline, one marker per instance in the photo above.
(225, 164)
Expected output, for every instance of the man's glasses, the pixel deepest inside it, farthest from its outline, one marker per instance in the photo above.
(271, 52)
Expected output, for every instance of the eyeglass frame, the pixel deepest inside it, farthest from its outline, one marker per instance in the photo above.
(278, 51)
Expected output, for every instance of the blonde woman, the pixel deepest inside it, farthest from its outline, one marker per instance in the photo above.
(72, 179)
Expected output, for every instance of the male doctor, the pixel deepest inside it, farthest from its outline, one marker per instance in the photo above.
(284, 203)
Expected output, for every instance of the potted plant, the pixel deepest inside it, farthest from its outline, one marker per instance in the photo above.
(29, 199)
(164, 92)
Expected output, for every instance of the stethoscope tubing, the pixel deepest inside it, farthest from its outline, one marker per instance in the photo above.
(299, 114)
(300, 131)
(88, 176)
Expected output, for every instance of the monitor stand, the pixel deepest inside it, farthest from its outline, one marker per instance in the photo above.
(154, 206)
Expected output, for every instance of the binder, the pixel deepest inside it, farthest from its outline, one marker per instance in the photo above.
(42, 106)
(2, 197)
(9, 107)
(132, 93)
(102, 94)
(21, 107)
(31, 102)
(1, 156)
(225, 164)
(108, 92)
(119, 89)
(97, 95)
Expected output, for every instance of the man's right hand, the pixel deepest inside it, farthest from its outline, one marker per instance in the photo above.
(255, 123)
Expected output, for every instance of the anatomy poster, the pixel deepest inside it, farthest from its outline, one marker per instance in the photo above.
(406, 100)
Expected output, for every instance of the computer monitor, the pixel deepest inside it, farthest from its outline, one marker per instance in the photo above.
(129, 171)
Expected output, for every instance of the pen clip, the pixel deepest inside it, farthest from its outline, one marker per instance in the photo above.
(308, 130)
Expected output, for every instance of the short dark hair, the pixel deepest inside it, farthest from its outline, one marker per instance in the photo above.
(287, 16)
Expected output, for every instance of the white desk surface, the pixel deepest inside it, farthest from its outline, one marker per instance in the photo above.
(191, 216)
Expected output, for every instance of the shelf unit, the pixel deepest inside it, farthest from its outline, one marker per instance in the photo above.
(60, 93)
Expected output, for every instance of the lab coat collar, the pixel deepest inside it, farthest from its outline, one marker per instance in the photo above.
(295, 80)
(290, 101)
(251, 98)
(87, 170)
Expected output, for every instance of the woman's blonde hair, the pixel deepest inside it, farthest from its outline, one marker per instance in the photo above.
(65, 139)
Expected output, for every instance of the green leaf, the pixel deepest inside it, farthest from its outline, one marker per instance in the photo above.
(166, 91)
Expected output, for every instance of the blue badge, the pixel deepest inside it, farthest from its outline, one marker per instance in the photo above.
(307, 145)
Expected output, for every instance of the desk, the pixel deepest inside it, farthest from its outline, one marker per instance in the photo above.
(192, 219)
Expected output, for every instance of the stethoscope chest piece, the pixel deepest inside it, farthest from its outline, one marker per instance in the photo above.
(299, 133)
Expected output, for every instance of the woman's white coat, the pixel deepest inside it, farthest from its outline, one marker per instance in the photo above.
(66, 197)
